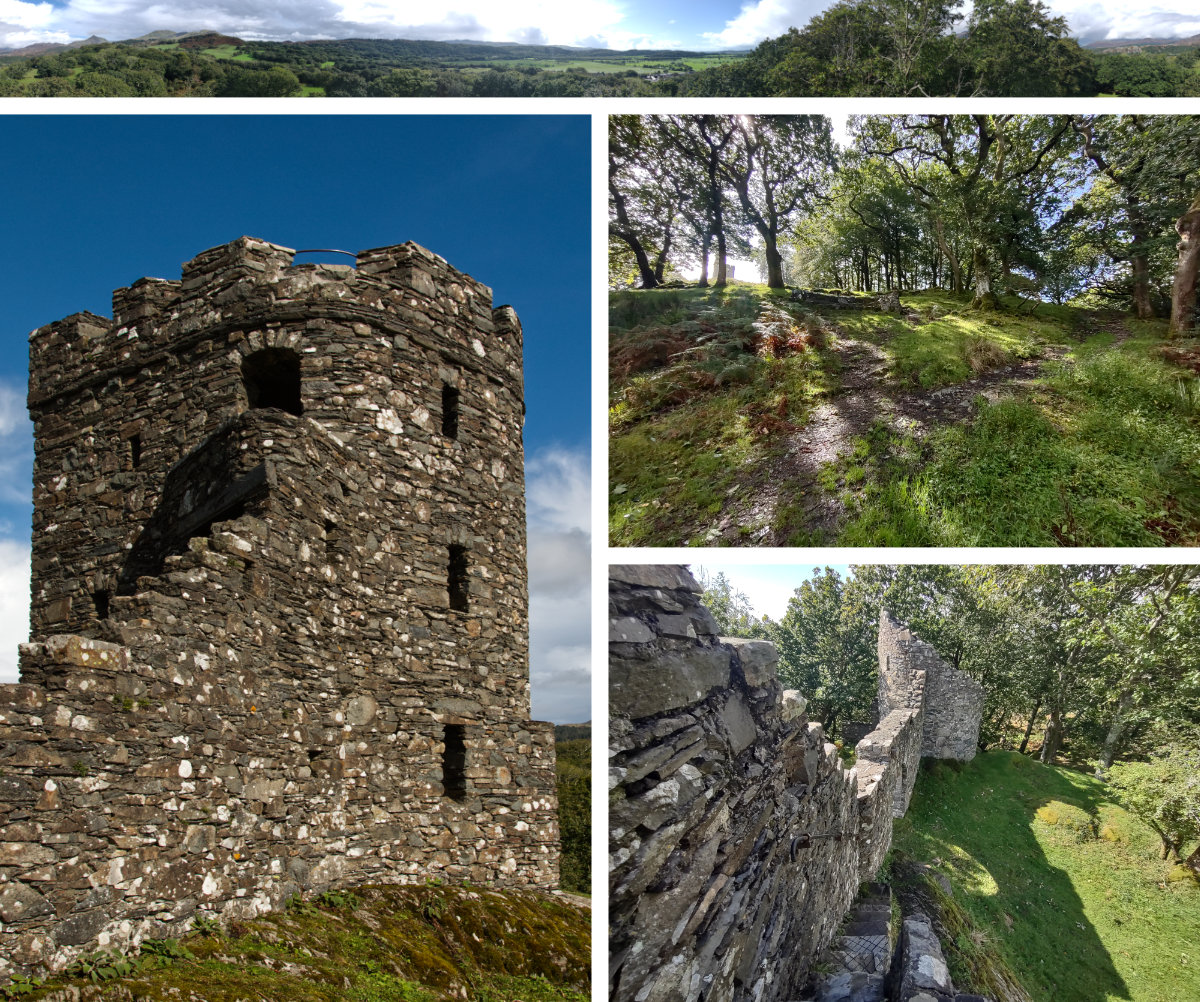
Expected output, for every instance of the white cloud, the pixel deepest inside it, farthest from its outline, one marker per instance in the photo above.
(765, 19)
(14, 604)
(544, 21)
(558, 503)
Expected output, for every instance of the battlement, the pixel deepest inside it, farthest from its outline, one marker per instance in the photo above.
(249, 282)
(279, 601)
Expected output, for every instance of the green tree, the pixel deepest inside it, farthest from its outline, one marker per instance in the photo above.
(826, 643)
(778, 166)
(1165, 793)
(730, 608)
(277, 81)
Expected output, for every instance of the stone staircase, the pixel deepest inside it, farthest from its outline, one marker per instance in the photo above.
(872, 961)
(862, 954)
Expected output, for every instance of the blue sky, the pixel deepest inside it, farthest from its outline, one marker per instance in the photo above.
(767, 586)
(96, 202)
(620, 24)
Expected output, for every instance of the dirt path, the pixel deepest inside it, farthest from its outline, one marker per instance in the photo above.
(862, 399)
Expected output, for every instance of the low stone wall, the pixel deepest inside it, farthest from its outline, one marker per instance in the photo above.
(738, 837)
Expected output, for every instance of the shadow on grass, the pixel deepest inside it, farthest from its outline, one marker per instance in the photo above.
(974, 823)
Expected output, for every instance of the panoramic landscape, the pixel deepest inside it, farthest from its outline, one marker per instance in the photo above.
(963, 781)
(973, 330)
(853, 47)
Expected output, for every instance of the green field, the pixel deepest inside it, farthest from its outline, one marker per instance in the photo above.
(1059, 882)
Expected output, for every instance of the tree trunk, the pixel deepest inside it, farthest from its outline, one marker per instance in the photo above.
(774, 261)
(1193, 861)
(956, 282)
(1029, 727)
(985, 298)
(705, 244)
(1183, 292)
(1115, 730)
(625, 231)
(1053, 737)
(722, 260)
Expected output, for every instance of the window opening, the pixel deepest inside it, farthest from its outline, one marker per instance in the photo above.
(454, 762)
(449, 410)
(457, 584)
(100, 598)
(272, 379)
(135, 450)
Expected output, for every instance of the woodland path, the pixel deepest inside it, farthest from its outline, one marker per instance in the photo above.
(863, 398)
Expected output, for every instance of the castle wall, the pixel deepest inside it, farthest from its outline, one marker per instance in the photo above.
(738, 838)
(913, 675)
(281, 689)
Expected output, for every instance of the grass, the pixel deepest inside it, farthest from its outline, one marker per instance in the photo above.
(1103, 454)
(383, 944)
(1054, 881)
(1102, 451)
(685, 435)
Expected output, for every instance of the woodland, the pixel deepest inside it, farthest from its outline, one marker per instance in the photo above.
(1044, 263)
(1072, 841)
(855, 47)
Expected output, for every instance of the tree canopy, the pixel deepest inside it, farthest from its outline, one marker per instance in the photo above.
(1049, 207)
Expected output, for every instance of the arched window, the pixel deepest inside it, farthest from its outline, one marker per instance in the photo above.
(272, 379)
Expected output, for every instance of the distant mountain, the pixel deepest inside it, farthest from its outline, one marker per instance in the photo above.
(1134, 44)
(41, 48)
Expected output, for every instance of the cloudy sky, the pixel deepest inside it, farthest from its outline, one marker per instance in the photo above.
(619, 24)
(105, 200)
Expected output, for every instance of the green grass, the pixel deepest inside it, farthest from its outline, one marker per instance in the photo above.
(1056, 880)
(685, 436)
(1103, 451)
(228, 52)
(384, 944)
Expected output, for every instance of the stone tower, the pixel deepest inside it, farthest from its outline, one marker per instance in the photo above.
(279, 612)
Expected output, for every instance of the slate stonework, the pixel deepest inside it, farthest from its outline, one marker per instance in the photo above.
(279, 614)
(738, 838)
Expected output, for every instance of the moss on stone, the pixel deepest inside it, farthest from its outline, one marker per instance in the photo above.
(393, 944)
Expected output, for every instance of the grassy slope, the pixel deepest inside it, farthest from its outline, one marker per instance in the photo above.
(384, 944)
(1095, 915)
(1104, 453)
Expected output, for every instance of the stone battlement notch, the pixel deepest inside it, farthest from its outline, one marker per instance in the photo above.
(279, 609)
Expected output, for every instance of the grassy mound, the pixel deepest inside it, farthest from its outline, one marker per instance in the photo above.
(375, 944)
(1054, 888)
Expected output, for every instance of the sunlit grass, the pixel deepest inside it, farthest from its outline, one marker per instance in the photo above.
(1060, 881)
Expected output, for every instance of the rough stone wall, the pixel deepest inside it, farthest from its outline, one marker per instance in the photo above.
(738, 838)
(271, 651)
(912, 675)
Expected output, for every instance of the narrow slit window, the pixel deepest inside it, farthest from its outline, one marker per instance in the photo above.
(454, 762)
(100, 598)
(449, 410)
(331, 530)
(272, 379)
(135, 451)
(457, 584)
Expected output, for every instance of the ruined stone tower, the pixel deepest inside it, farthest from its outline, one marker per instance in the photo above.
(279, 612)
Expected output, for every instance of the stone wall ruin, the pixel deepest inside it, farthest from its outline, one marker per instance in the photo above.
(279, 612)
(738, 837)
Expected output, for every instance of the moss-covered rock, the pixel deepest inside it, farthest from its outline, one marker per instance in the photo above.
(377, 944)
